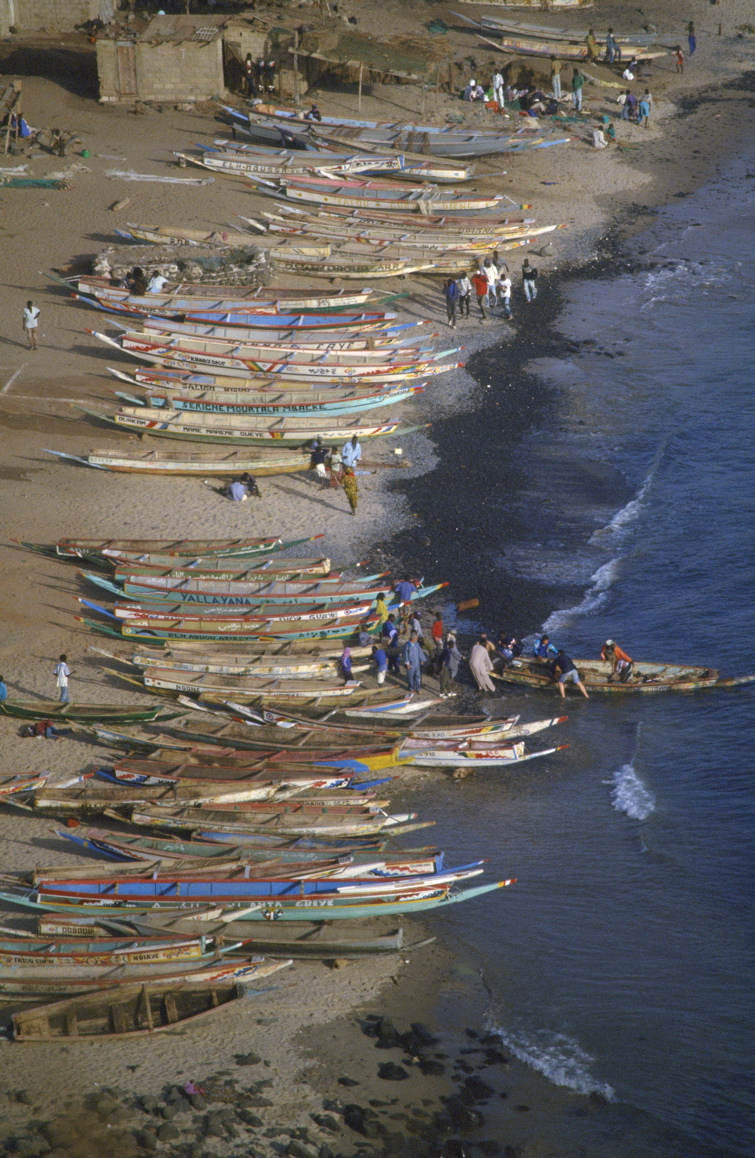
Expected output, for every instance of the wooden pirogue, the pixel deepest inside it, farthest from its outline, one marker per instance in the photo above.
(130, 1009)
(175, 548)
(84, 713)
(216, 464)
(645, 677)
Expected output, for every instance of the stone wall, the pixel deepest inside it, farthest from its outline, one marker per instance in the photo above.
(171, 72)
(53, 14)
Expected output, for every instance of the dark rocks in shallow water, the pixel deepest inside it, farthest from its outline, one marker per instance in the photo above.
(325, 1151)
(198, 1101)
(431, 1068)
(248, 1059)
(146, 1140)
(299, 1150)
(490, 1147)
(149, 1104)
(494, 1057)
(257, 1100)
(476, 1090)
(388, 1036)
(463, 1117)
(168, 1111)
(362, 1120)
(522, 1109)
(371, 1024)
(453, 1148)
(168, 1132)
(347, 1082)
(422, 1034)
(390, 1072)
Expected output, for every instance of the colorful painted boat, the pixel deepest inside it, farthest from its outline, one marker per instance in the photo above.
(260, 590)
(370, 344)
(266, 323)
(246, 430)
(304, 909)
(645, 677)
(528, 46)
(214, 568)
(177, 549)
(548, 32)
(254, 296)
(247, 402)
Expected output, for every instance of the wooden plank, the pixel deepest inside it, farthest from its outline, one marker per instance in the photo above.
(171, 1011)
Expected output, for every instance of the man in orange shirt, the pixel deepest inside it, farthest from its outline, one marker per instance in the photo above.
(481, 287)
(622, 663)
(437, 633)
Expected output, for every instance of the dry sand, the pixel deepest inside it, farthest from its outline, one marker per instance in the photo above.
(305, 1028)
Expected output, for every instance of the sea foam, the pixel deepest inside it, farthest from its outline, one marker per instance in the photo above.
(557, 1056)
(601, 581)
(630, 795)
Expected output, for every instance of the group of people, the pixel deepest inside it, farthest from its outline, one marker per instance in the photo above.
(240, 489)
(491, 285)
(258, 75)
(390, 654)
(337, 468)
(138, 283)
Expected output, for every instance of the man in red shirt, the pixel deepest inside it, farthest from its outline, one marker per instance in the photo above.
(437, 633)
(480, 283)
(622, 663)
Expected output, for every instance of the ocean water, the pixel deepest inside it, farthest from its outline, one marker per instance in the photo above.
(612, 494)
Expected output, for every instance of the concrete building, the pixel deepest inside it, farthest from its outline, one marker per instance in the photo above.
(55, 15)
(175, 58)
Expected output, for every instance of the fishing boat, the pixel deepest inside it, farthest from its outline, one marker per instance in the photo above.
(292, 613)
(256, 687)
(555, 5)
(469, 755)
(137, 565)
(193, 381)
(233, 157)
(180, 629)
(245, 429)
(254, 297)
(257, 590)
(372, 195)
(344, 266)
(247, 402)
(197, 463)
(370, 344)
(34, 981)
(129, 1009)
(565, 50)
(97, 949)
(84, 713)
(549, 32)
(289, 666)
(302, 909)
(598, 676)
(480, 226)
(177, 235)
(177, 549)
(269, 323)
(136, 850)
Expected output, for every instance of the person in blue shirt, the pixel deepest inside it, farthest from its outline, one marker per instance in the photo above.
(389, 637)
(451, 294)
(352, 452)
(3, 689)
(237, 492)
(405, 590)
(412, 656)
(543, 648)
(381, 662)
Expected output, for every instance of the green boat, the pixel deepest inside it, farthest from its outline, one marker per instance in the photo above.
(85, 713)
(597, 675)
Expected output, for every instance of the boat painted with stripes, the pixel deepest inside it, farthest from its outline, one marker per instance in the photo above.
(197, 463)
(230, 402)
(175, 548)
(253, 297)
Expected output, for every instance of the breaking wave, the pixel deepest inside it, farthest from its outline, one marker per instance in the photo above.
(558, 1057)
(630, 795)
(601, 582)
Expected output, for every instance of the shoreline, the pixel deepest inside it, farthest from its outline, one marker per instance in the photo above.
(372, 989)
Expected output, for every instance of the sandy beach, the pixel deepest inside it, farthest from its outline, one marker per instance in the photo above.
(318, 1087)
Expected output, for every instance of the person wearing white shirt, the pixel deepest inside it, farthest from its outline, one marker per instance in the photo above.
(31, 314)
(352, 452)
(498, 87)
(503, 289)
(465, 295)
(62, 672)
(491, 274)
(156, 282)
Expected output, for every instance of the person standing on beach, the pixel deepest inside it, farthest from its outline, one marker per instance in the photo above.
(480, 666)
(61, 673)
(529, 280)
(679, 59)
(577, 83)
(436, 631)
(351, 487)
(691, 37)
(503, 289)
(31, 316)
(381, 662)
(465, 294)
(381, 608)
(480, 283)
(592, 46)
(491, 275)
(613, 52)
(412, 657)
(451, 294)
(643, 109)
(498, 87)
(556, 77)
(351, 452)
(449, 661)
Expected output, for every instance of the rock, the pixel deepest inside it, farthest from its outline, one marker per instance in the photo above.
(422, 1034)
(148, 1104)
(248, 1059)
(387, 1035)
(168, 1111)
(522, 1109)
(250, 1119)
(256, 1100)
(489, 1147)
(333, 1106)
(327, 1122)
(24, 1097)
(390, 1072)
(362, 1120)
(146, 1140)
(325, 1151)
(347, 1082)
(463, 1117)
(31, 1147)
(175, 1094)
(431, 1067)
(495, 1057)
(198, 1101)
(168, 1132)
(299, 1150)
(476, 1090)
